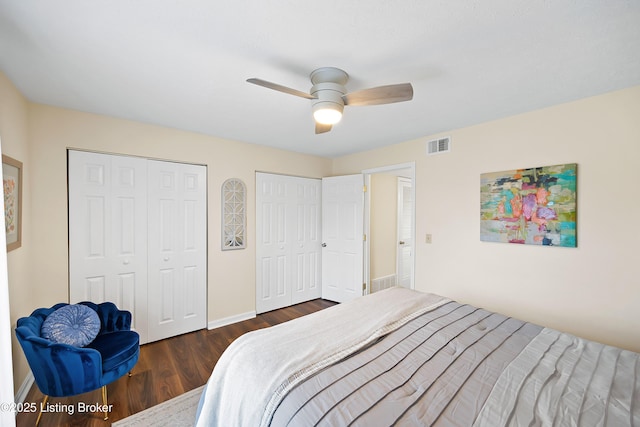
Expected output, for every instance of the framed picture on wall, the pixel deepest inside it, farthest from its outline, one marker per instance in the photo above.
(535, 206)
(12, 186)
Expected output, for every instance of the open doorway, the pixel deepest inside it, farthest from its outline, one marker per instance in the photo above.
(389, 227)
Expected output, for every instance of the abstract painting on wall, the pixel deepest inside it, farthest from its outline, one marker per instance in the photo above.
(534, 206)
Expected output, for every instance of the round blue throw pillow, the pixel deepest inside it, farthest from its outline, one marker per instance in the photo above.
(73, 324)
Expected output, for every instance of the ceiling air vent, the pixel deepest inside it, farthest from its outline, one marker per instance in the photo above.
(436, 146)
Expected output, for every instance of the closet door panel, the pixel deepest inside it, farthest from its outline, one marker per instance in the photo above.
(128, 238)
(272, 251)
(306, 250)
(107, 232)
(94, 290)
(191, 294)
(177, 249)
(288, 250)
(119, 208)
(125, 290)
(89, 217)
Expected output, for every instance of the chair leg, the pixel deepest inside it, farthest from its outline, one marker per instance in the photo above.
(104, 402)
(44, 402)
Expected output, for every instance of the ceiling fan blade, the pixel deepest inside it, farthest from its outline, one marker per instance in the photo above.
(320, 128)
(380, 95)
(280, 88)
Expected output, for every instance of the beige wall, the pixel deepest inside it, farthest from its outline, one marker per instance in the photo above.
(231, 274)
(592, 290)
(22, 291)
(384, 210)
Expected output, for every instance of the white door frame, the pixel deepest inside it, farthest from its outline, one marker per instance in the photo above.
(7, 418)
(411, 166)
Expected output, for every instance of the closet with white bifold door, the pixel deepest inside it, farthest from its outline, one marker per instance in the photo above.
(137, 238)
(288, 246)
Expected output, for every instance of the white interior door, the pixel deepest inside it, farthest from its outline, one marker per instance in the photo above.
(404, 258)
(273, 287)
(137, 237)
(306, 251)
(288, 230)
(108, 233)
(177, 248)
(342, 237)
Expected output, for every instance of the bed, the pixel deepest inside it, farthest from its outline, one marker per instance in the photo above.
(402, 357)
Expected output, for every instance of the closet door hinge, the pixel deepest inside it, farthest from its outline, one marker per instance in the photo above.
(364, 188)
(364, 237)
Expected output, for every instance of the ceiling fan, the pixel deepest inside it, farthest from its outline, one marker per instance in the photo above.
(329, 96)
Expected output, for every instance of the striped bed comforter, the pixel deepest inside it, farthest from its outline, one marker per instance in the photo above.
(458, 365)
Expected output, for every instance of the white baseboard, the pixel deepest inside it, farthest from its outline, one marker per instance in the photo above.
(24, 388)
(231, 319)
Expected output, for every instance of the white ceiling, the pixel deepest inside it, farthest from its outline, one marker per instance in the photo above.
(183, 64)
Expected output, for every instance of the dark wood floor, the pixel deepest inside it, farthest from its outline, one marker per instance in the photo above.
(165, 370)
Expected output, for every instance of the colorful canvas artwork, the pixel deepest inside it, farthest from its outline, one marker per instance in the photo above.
(534, 206)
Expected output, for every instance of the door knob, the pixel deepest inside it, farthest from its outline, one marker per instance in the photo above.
(125, 262)
(401, 242)
(166, 258)
(324, 245)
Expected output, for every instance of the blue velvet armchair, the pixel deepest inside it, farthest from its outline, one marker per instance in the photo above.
(65, 370)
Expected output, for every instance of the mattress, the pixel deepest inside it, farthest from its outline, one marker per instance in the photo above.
(438, 362)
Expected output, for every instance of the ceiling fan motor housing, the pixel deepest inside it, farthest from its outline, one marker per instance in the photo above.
(328, 89)
(328, 105)
(329, 74)
(328, 92)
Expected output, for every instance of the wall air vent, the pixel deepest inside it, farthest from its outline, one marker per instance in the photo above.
(437, 146)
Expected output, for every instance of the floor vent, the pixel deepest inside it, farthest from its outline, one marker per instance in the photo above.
(437, 146)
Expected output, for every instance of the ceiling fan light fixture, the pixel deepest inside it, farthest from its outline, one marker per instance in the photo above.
(327, 113)
(328, 95)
